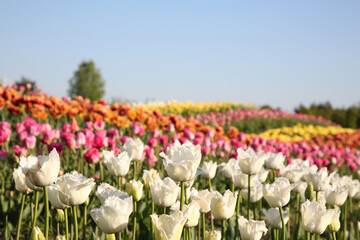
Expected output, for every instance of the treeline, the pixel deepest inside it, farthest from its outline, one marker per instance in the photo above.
(346, 117)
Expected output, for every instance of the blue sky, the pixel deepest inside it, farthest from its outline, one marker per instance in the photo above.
(280, 53)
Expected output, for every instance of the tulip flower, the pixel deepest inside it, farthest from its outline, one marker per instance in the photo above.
(256, 192)
(113, 215)
(135, 189)
(251, 229)
(336, 195)
(182, 166)
(117, 165)
(212, 235)
(20, 184)
(320, 179)
(315, 217)
(41, 170)
(273, 218)
(223, 206)
(277, 194)
(105, 191)
(150, 176)
(275, 161)
(240, 179)
(250, 162)
(164, 192)
(134, 148)
(191, 212)
(37, 234)
(208, 170)
(230, 168)
(335, 224)
(168, 227)
(203, 198)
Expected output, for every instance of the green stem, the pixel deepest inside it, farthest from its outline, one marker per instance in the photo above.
(210, 186)
(308, 237)
(182, 196)
(282, 223)
(46, 213)
(333, 235)
(35, 211)
(66, 224)
(203, 225)
(85, 221)
(248, 202)
(212, 222)
(119, 236)
(57, 228)
(199, 226)
(135, 213)
(134, 170)
(238, 203)
(20, 217)
(317, 196)
(76, 230)
(164, 210)
(110, 237)
(297, 208)
(152, 224)
(345, 219)
(223, 229)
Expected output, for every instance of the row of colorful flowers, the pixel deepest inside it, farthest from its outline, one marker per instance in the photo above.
(233, 116)
(35, 137)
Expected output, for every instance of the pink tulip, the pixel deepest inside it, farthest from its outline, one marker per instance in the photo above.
(19, 151)
(98, 126)
(29, 142)
(4, 155)
(163, 139)
(57, 146)
(92, 155)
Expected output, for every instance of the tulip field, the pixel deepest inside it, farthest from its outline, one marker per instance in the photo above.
(76, 169)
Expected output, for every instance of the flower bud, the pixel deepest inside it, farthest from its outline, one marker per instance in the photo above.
(59, 216)
(37, 234)
(309, 192)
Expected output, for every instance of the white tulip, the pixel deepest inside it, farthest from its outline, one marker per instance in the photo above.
(203, 198)
(41, 170)
(335, 224)
(320, 179)
(262, 175)
(191, 211)
(294, 175)
(212, 235)
(315, 217)
(241, 179)
(105, 190)
(256, 192)
(168, 227)
(134, 148)
(251, 229)
(37, 234)
(150, 176)
(229, 168)
(182, 167)
(73, 189)
(20, 184)
(336, 195)
(54, 197)
(119, 165)
(300, 187)
(208, 169)
(273, 218)
(277, 194)
(164, 192)
(135, 189)
(113, 215)
(249, 161)
(223, 206)
(274, 161)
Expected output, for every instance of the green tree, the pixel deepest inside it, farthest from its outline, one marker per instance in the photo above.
(87, 82)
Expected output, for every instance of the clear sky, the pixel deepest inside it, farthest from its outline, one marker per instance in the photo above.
(280, 53)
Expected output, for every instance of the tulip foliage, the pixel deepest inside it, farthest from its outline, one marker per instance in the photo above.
(184, 177)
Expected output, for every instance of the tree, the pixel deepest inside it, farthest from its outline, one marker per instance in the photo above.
(87, 82)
